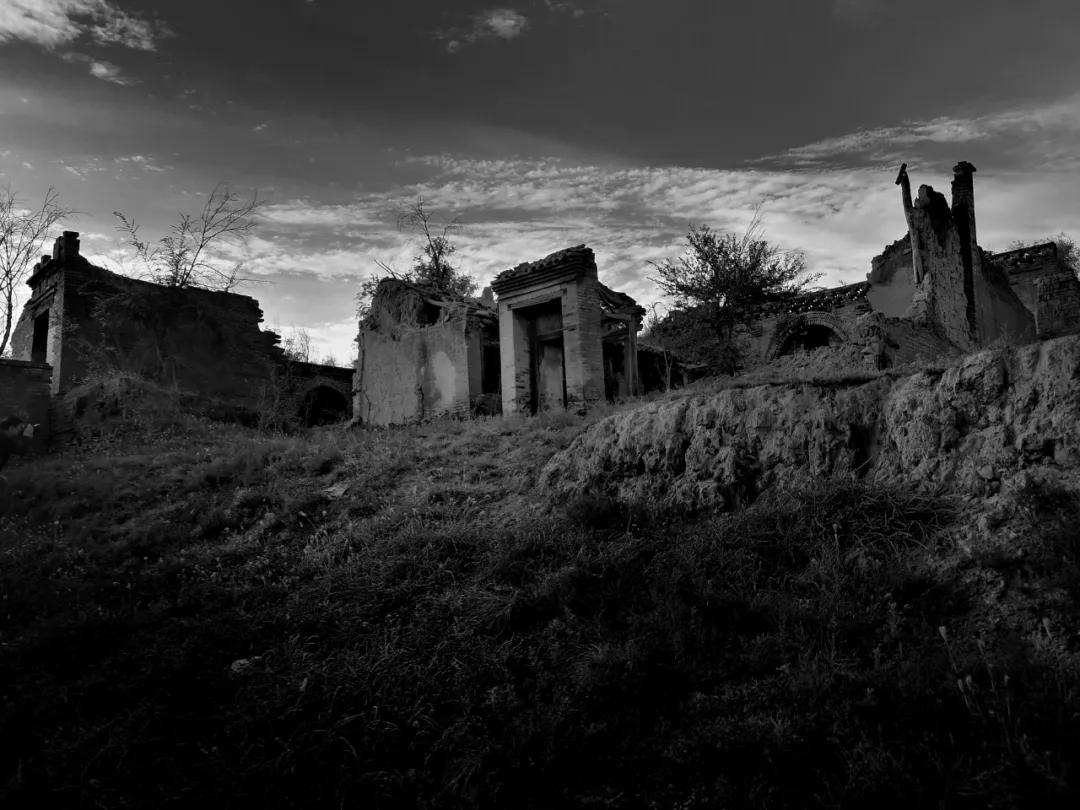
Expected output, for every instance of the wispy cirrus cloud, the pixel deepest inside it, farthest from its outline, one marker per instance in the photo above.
(100, 68)
(52, 23)
(1045, 133)
(492, 23)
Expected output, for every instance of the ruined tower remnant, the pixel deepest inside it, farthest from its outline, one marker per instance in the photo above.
(963, 211)
(954, 293)
(565, 339)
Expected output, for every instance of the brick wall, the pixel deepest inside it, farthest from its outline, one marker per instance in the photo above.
(1027, 266)
(1057, 305)
(24, 392)
(199, 340)
(907, 342)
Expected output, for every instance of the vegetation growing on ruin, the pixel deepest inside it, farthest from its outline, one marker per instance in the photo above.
(201, 614)
(715, 286)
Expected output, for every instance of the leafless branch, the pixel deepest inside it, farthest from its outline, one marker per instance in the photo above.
(22, 235)
(182, 258)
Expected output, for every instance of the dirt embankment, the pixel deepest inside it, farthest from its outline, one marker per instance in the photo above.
(996, 416)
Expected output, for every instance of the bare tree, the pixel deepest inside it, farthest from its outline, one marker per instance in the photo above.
(431, 267)
(184, 257)
(297, 345)
(22, 234)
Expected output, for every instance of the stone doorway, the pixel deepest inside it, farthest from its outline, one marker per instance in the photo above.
(547, 356)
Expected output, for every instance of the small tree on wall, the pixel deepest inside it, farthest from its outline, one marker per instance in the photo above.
(22, 236)
(185, 256)
(717, 283)
(431, 268)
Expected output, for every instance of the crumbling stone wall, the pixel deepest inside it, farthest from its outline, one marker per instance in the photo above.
(777, 326)
(908, 342)
(1057, 305)
(892, 283)
(199, 340)
(1046, 285)
(24, 392)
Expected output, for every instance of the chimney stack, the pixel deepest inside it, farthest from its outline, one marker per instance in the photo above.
(66, 247)
(963, 211)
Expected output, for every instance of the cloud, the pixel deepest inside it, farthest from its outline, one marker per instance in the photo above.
(492, 23)
(51, 23)
(117, 27)
(140, 162)
(504, 23)
(108, 72)
(100, 69)
(1043, 133)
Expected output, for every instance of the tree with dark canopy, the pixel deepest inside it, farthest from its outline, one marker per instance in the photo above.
(717, 283)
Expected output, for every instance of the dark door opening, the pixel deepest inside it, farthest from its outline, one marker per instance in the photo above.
(39, 349)
(547, 368)
(323, 405)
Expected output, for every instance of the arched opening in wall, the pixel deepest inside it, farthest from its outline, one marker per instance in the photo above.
(809, 337)
(323, 405)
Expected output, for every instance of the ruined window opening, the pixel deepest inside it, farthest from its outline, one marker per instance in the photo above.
(39, 349)
(431, 314)
(809, 338)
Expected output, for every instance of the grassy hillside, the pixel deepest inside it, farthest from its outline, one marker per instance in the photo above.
(198, 614)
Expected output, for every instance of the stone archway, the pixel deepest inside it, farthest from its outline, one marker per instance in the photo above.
(323, 405)
(808, 331)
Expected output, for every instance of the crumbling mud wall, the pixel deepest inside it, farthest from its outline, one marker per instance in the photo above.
(423, 355)
(24, 392)
(82, 318)
(413, 374)
(994, 416)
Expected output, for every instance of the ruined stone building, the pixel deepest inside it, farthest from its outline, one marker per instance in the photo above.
(557, 338)
(80, 319)
(421, 355)
(932, 293)
(565, 339)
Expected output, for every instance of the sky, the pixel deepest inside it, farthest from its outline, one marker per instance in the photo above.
(535, 125)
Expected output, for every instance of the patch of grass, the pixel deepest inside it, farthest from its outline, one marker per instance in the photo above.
(390, 619)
